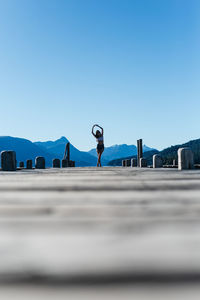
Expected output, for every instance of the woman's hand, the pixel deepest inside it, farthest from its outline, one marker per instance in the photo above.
(93, 129)
(97, 126)
(100, 128)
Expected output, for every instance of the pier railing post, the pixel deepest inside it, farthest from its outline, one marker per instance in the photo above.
(71, 164)
(174, 163)
(127, 162)
(56, 163)
(40, 162)
(65, 163)
(29, 164)
(21, 164)
(157, 161)
(139, 151)
(8, 161)
(133, 162)
(68, 152)
(185, 159)
(143, 163)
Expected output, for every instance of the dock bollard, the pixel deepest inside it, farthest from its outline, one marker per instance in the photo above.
(8, 161)
(40, 162)
(143, 163)
(185, 159)
(29, 164)
(21, 164)
(128, 162)
(157, 161)
(133, 162)
(174, 163)
(139, 151)
(65, 163)
(72, 164)
(56, 163)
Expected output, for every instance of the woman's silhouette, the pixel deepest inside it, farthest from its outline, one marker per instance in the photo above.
(100, 143)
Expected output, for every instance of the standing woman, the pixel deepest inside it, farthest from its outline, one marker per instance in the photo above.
(100, 143)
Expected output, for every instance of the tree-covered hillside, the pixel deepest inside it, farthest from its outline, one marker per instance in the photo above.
(170, 153)
(167, 154)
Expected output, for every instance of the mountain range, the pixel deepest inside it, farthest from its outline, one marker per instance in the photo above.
(118, 151)
(112, 156)
(57, 149)
(26, 149)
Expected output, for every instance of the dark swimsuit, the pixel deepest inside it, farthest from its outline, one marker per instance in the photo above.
(100, 147)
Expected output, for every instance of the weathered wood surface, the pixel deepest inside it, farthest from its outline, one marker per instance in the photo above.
(70, 228)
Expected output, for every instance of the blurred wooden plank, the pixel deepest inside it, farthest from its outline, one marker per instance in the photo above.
(63, 225)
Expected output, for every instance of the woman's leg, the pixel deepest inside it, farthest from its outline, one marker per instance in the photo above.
(100, 158)
(99, 153)
(98, 161)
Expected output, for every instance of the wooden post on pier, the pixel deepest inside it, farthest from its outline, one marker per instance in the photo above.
(139, 151)
(8, 161)
(21, 164)
(56, 163)
(185, 159)
(71, 164)
(128, 162)
(133, 162)
(67, 153)
(143, 162)
(40, 162)
(174, 163)
(29, 164)
(157, 161)
(65, 163)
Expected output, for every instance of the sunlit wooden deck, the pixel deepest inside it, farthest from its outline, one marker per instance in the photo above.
(88, 233)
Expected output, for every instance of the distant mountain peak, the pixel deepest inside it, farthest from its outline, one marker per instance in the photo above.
(118, 151)
(63, 139)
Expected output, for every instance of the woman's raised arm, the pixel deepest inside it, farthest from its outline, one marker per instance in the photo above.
(93, 130)
(101, 129)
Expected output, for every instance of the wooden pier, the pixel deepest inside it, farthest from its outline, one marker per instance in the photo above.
(100, 233)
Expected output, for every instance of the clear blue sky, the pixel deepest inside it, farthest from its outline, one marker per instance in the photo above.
(133, 66)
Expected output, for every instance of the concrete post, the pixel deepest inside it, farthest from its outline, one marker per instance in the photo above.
(174, 163)
(133, 162)
(21, 164)
(143, 163)
(139, 151)
(65, 163)
(56, 163)
(157, 161)
(29, 164)
(185, 159)
(68, 152)
(72, 164)
(127, 162)
(8, 161)
(40, 162)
